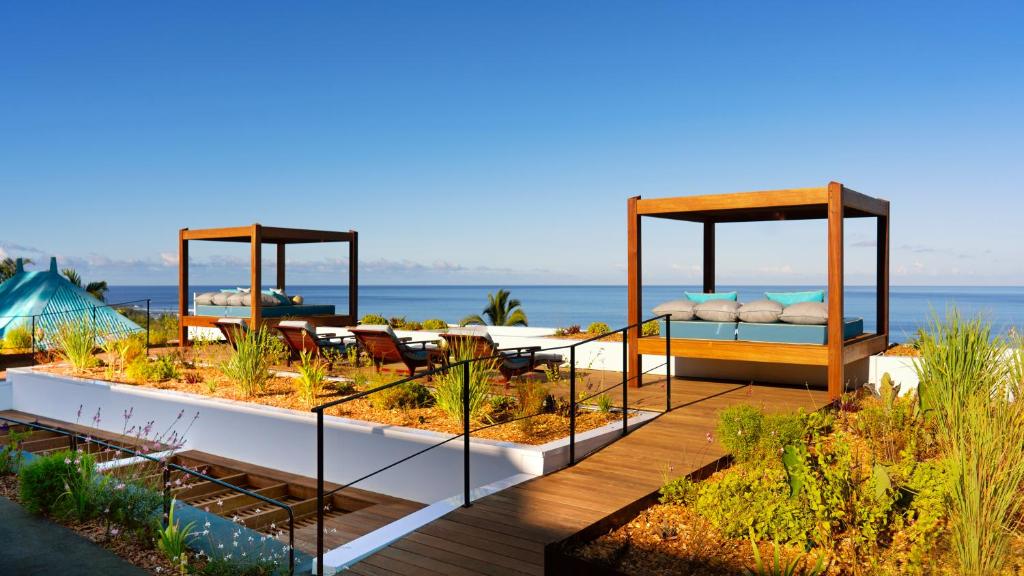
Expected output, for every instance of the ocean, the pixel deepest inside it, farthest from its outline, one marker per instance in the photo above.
(554, 306)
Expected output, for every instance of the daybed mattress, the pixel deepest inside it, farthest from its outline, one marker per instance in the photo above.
(703, 330)
(795, 333)
(265, 311)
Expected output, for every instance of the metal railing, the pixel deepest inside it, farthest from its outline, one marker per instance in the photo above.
(74, 438)
(464, 366)
(40, 324)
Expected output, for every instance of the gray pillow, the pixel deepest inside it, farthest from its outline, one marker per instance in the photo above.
(205, 299)
(235, 299)
(265, 300)
(806, 313)
(717, 310)
(679, 309)
(220, 298)
(763, 311)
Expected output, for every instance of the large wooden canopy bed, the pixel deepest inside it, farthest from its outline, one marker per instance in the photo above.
(833, 203)
(259, 310)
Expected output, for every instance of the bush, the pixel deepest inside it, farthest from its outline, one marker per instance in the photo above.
(651, 328)
(435, 324)
(598, 328)
(129, 505)
(375, 319)
(46, 483)
(448, 386)
(681, 491)
(17, 339)
(141, 369)
(249, 365)
(125, 350)
(11, 455)
(758, 500)
(530, 399)
(75, 342)
(749, 434)
(570, 330)
(408, 395)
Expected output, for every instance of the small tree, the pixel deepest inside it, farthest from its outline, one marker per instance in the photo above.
(500, 311)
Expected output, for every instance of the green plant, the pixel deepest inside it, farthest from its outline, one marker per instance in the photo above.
(778, 568)
(224, 566)
(407, 395)
(375, 319)
(11, 455)
(604, 403)
(17, 339)
(397, 322)
(125, 349)
(413, 325)
(570, 330)
(435, 324)
(249, 365)
(97, 289)
(743, 499)
(312, 375)
(500, 311)
(598, 328)
(530, 399)
(650, 328)
(43, 482)
(127, 504)
(552, 372)
(164, 367)
(75, 341)
(680, 491)
(173, 540)
(739, 430)
(449, 385)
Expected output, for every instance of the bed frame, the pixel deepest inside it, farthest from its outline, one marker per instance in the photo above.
(833, 203)
(257, 235)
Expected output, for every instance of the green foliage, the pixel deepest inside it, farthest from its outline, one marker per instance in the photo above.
(9, 265)
(744, 499)
(373, 319)
(164, 367)
(312, 375)
(172, 539)
(249, 365)
(17, 339)
(598, 328)
(530, 398)
(796, 567)
(749, 434)
(11, 455)
(237, 567)
(75, 341)
(435, 324)
(408, 395)
(680, 491)
(397, 322)
(97, 289)
(127, 504)
(651, 328)
(46, 483)
(449, 385)
(500, 311)
(125, 349)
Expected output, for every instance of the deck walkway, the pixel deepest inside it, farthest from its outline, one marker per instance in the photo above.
(506, 533)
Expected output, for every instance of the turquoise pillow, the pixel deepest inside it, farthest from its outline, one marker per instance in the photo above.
(278, 295)
(790, 298)
(702, 297)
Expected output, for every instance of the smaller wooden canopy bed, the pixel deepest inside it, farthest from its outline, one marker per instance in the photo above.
(837, 343)
(254, 304)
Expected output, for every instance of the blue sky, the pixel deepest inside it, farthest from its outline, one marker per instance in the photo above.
(497, 142)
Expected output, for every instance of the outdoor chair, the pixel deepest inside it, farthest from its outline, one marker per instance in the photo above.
(300, 336)
(232, 328)
(382, 345)
(515, 360)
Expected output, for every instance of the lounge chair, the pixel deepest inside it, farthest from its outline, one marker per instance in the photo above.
(383, 345)
(232, 328)
(516, 360)
(301, 336)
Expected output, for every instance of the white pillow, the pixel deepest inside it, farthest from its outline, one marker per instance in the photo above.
(717, 310)
(678, 309)
(813, 313)
(761, 311)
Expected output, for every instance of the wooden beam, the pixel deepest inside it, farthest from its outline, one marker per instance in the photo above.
(739, 350)
(353, 275)
(280, 266)
(836, 372)
(634, 301)
(882, 278)
(867, 204)
(709, 257)
(863, 346)
(182, 287)
(256, 264)
(736, 201)
(238, 233)
(300, 235)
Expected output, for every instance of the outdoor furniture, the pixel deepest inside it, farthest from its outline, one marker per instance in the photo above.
(301, 336)
(382, 345)
(232, 328)
(515, 361)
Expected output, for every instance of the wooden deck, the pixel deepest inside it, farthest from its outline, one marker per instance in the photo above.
(506, 533)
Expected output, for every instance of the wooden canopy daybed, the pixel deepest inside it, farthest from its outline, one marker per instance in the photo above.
(834, 203)
(257, 235)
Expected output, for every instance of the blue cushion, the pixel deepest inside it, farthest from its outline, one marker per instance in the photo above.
(795, 333)
(702, 330)
(790, 298)
(268, 311)
(702, 297)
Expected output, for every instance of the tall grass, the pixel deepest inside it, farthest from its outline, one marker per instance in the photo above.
(969, 384)
(75, 342)
(249, 366)
(17, 339)
(312, 376)
(448, 386)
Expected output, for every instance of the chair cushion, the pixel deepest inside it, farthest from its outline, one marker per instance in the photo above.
(790, 298)
(679, 309)
(762, 311)
(377, 328)
(805, 313)
(718, 310)
(298, 324)
(480, 331)
(699, 297)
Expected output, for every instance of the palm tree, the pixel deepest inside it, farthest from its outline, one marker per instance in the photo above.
(8, 265)
(97, 289)
(501, 311)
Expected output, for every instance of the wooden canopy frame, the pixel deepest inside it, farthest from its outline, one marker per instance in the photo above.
(834, 203)
(257, 235)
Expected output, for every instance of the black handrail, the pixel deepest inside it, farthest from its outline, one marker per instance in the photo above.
(75, 437)
(466, 432)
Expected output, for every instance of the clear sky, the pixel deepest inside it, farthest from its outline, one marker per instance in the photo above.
(497, 142)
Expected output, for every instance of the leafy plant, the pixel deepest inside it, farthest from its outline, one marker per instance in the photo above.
(747, 433)
(97, 289)
(650, 328)
(742, 500)
(43, 481)
(449, 385)
(680, 491)
(11, 455)
(17, 339)
(570, 330)
(78, 499)
(249, 365)
(407, 395)
(604, 403)
(598, 328)
(312, 375)
(124, 349)
(225, 566)
(173, 540)
(435, 324)
(373, 319)
(397, 322)
(500, 311)
(127, 504)
(777, 567)
(530, 399)
(75, 342)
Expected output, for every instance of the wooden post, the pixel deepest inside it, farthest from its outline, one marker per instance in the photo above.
(882, 280)
(634, 289)
(183, 290)
(709, 257)
(280, 266)
(836, 369)
(353, 276)
(255, 295)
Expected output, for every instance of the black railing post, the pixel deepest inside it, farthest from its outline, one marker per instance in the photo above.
(320, 492)
(668, 364)
(147, 326)
(73, 442)
(625, 380)
(572, 404)
(291, 541)
(465, 434)
(167, 494)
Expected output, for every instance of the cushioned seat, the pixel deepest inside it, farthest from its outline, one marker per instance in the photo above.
(265, 311)
(703, 330)
(795, 333)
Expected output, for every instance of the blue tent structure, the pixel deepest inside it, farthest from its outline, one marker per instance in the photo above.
(45, 299)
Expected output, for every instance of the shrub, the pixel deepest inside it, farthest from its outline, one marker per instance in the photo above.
(162, 368)
(11, 455)
(233, 566)
(651, 328)
(412, 325)
(604, 403)
(125, 349)
(742, 500)
(570, 330)
(44, 483)
(449, 385)
(739, 430)
(127, 504)
(312, 375)
(680, 491)
(373, 319)
(408, 395)
(598, 328)
(17, 339)
(397, 322)
(249, 365)
(530, 398)
(435, 324)
(75, 342)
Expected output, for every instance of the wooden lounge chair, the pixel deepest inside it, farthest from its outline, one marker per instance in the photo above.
(382, 345)
(301, 336)
(232, 328)
(516, 360)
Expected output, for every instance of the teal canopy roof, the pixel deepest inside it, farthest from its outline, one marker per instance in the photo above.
(49, 297)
